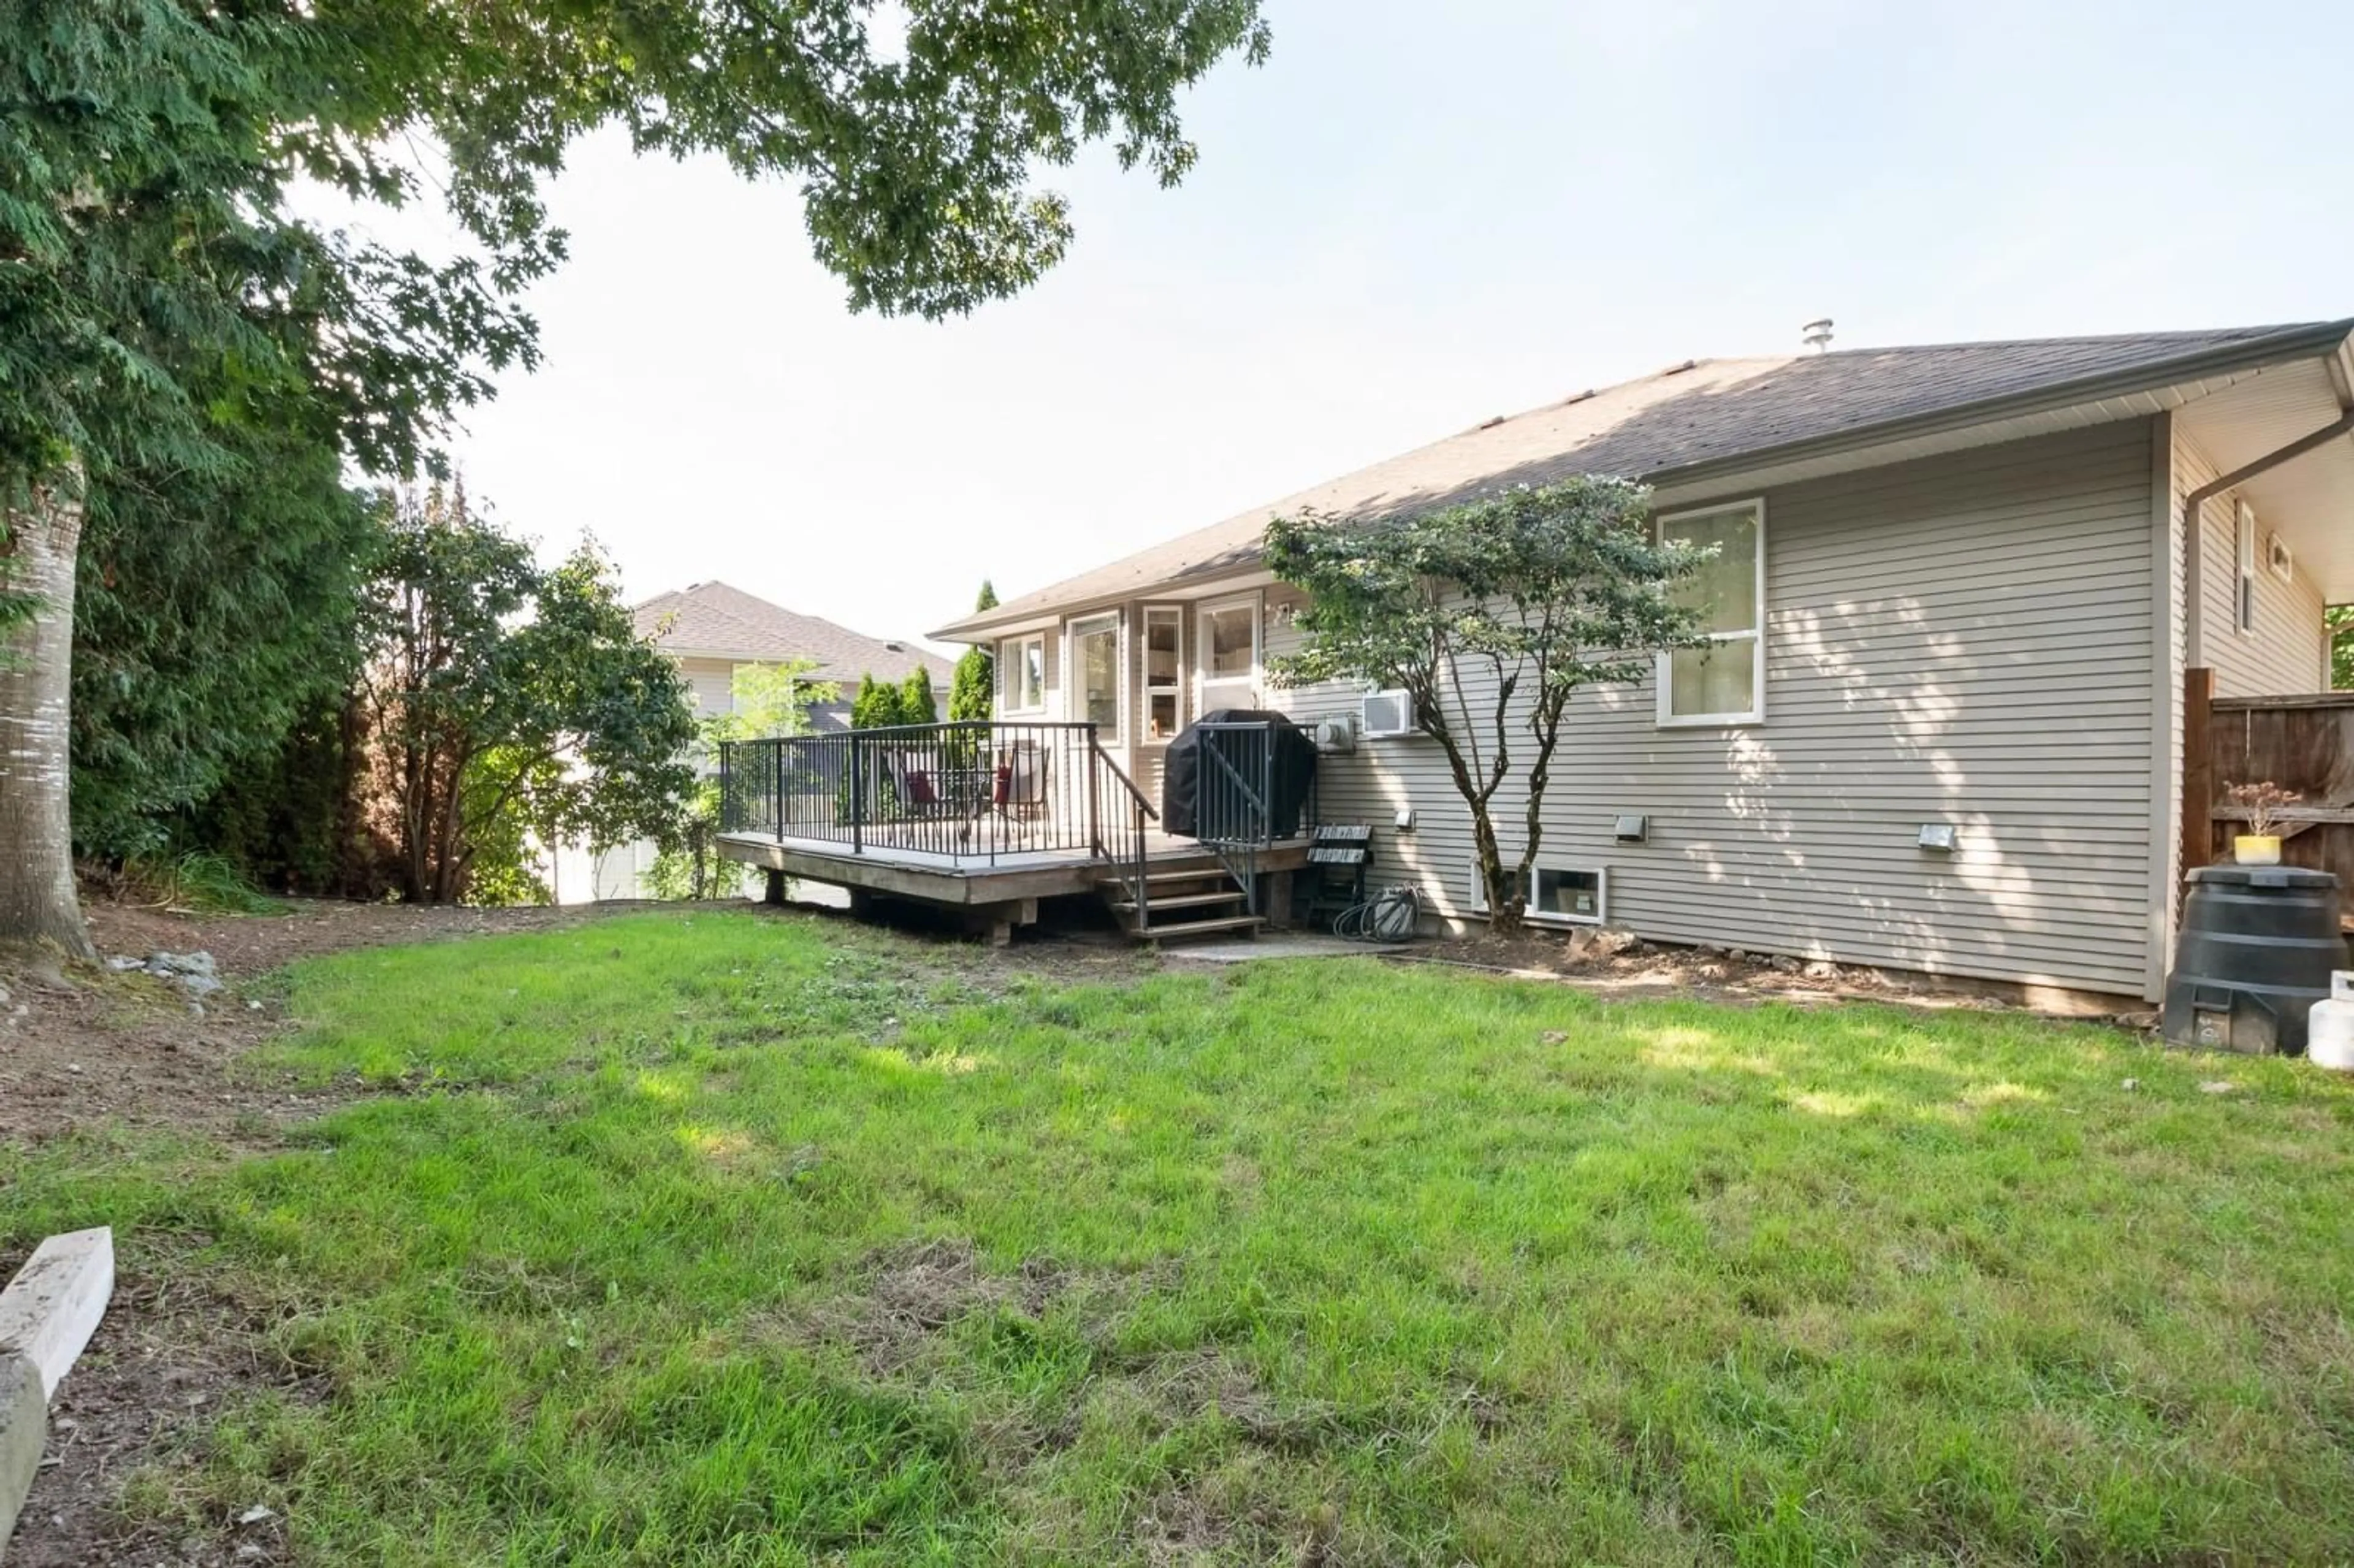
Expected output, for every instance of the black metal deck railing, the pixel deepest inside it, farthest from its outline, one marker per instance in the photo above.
(963, 792)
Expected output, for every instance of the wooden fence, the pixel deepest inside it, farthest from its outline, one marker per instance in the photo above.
(2302, 742)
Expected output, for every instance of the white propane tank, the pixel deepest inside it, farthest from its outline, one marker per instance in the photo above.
(2329, 1028)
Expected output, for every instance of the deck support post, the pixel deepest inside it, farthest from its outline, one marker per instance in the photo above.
(996, 921)
(1278, 898)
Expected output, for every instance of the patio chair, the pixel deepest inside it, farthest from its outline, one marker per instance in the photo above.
(1019, 793)
(916, 795)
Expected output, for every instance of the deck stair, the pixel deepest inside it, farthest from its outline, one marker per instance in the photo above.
(1190, 899)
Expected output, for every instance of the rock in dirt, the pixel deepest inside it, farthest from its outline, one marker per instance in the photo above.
(1602, 942)
(1783, 963)
(1821, 968)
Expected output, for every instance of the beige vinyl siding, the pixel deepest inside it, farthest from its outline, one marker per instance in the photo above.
(1966, 638)
(2287, 650)
(714, 684)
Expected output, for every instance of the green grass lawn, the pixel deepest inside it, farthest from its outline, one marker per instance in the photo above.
(737, 1240)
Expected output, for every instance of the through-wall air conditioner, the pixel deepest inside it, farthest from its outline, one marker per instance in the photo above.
(1387, 714)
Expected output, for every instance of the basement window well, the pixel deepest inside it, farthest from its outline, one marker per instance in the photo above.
(1564, 895)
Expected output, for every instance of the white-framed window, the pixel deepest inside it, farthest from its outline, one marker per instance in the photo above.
(1092, 673)
(1021, 663)
(1227, 644)
(2244, 548)
(1723, 682)
(1164, 672)
(1564, 895)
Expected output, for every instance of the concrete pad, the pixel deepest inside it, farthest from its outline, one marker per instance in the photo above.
(24, 1430)
(51, 1308)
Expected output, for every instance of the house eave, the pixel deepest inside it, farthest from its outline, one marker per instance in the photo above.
(2164, 382)
(2145, 390)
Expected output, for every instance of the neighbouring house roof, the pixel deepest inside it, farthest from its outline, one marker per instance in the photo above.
(713, 620)
(1703, 416)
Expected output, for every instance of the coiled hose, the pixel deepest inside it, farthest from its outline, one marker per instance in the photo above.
(1393, 914)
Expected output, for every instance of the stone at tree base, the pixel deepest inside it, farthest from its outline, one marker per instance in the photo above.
(24, 1430)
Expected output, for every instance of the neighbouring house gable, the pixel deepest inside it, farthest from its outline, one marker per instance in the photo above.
(714, 621)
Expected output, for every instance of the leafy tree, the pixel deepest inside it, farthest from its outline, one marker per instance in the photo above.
(1489, 616)
(2339, 619)
(500, 694)
(917, 702)
(298, 821)
(216, 611)
(143, 164)
(156, 308)
(879, 704)
(120, 189)
(973, 694)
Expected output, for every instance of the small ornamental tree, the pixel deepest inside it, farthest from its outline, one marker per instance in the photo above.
(917, 702)
(771, 700)
(973, 694)
(877, 705)
(1489, 616)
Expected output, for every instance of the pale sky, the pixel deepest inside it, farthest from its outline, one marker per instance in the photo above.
(1413, 217)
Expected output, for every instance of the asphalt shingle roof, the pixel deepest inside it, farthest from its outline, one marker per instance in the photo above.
(1704, 411)
(728, 623)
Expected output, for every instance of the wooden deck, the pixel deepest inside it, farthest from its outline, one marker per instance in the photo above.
(1010, 877)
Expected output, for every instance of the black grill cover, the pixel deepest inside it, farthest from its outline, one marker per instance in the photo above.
(1291, 769)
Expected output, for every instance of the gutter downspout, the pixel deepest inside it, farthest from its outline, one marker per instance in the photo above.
(2194, 618)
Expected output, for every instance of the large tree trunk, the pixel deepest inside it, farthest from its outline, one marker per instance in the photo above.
(37, 905)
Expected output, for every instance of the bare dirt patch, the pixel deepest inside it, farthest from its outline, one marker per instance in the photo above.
(168, 1356)
(1615, 962)
(907, 1295)
(82, 1048)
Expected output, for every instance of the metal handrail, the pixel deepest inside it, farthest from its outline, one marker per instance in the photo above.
(1234, 816)
(964, 791)
(1136, 862)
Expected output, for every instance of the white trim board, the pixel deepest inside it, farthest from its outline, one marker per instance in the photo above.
(53, 1306)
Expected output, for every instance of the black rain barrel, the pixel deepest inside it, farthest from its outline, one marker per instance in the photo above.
(2254, 954)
